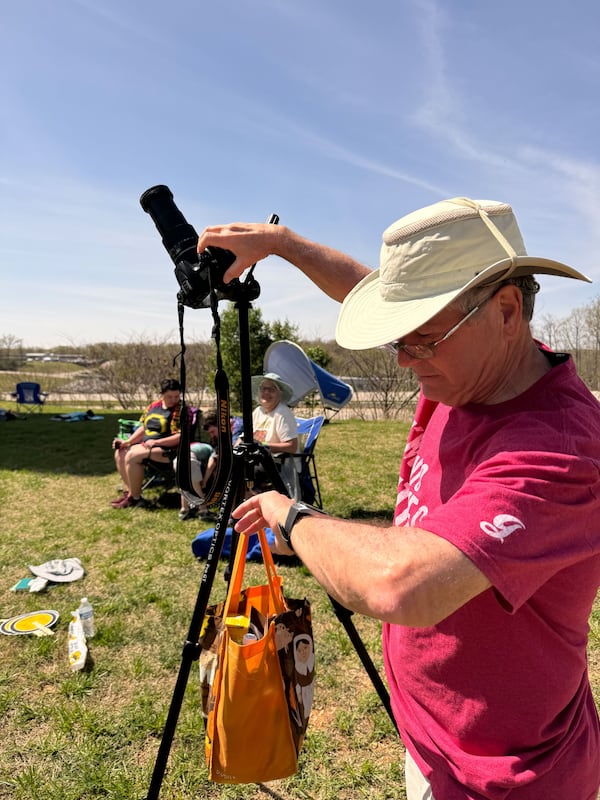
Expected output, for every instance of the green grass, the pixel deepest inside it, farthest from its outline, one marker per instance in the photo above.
(95, 734)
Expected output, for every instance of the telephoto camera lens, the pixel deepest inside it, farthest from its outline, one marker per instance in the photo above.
(196, 273)
(178, 236)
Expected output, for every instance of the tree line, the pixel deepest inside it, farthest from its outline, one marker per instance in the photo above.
(130, 372)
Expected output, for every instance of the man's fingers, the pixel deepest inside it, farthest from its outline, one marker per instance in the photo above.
(250, 523)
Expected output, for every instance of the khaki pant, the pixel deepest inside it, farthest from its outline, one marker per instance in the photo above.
(417, 786)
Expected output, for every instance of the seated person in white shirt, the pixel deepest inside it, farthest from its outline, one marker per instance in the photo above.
(274, 425)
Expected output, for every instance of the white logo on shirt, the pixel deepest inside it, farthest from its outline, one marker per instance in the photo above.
(502, 526)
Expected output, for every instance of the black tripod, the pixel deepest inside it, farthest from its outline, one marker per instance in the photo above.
(246, 456)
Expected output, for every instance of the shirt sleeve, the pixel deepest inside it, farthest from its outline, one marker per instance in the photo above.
(522, 520)
(286, 426)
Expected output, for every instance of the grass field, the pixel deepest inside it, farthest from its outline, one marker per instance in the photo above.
(95, 734)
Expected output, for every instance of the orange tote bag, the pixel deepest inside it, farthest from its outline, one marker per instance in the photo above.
(257, 694)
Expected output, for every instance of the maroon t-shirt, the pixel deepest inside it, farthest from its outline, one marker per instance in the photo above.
(494, 702)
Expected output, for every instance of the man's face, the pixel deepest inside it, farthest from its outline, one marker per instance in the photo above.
(464, 368)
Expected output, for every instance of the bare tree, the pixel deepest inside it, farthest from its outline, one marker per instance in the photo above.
(573, 340)
(12, 354)
(199, 361)
(132, 372)
(383, 390)
(548, 330)
(579, 335)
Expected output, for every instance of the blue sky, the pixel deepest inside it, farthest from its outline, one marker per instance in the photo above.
(339, 116)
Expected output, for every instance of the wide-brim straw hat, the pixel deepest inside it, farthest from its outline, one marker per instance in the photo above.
(431, 257)
(285, 389)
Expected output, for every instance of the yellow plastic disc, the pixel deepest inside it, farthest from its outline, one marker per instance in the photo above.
(28, 623)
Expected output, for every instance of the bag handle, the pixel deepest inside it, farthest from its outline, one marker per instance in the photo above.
(237, 575)
(272, 576)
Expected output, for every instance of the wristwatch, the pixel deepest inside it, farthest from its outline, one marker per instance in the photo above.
(297, 510)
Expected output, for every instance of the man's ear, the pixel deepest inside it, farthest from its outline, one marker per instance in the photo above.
(510, 303)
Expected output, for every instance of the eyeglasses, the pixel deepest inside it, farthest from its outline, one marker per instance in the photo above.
(428, 350)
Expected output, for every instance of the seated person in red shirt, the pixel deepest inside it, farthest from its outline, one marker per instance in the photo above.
(158, 432)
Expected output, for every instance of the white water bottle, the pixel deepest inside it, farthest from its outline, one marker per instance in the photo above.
(86, 615)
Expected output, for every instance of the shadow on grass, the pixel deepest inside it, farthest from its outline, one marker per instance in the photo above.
(39, 443)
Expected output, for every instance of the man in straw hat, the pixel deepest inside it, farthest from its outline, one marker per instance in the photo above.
(486, 581)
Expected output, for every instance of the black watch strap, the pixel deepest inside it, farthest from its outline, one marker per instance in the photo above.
(297, 510)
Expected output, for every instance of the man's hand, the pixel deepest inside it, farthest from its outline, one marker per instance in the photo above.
(332, 271)
(250, 241)
(265, 510)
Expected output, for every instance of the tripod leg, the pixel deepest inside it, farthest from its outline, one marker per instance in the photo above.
(191, 648)
(239, 467)
(345, 617)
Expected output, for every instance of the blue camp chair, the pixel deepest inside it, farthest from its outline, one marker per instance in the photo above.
(308, 432)
(309, 478)
(29, 396)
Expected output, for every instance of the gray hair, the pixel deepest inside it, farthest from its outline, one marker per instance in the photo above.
(528, 286)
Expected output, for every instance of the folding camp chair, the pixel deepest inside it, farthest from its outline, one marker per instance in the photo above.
(308, 432)
(30, 396)
(159, 474)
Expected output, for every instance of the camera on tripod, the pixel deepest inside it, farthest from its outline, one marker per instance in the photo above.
(197, 273)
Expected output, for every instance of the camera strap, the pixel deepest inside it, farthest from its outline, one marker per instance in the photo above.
(217, 482)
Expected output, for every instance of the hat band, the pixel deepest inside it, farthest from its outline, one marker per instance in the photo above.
(494, 230)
